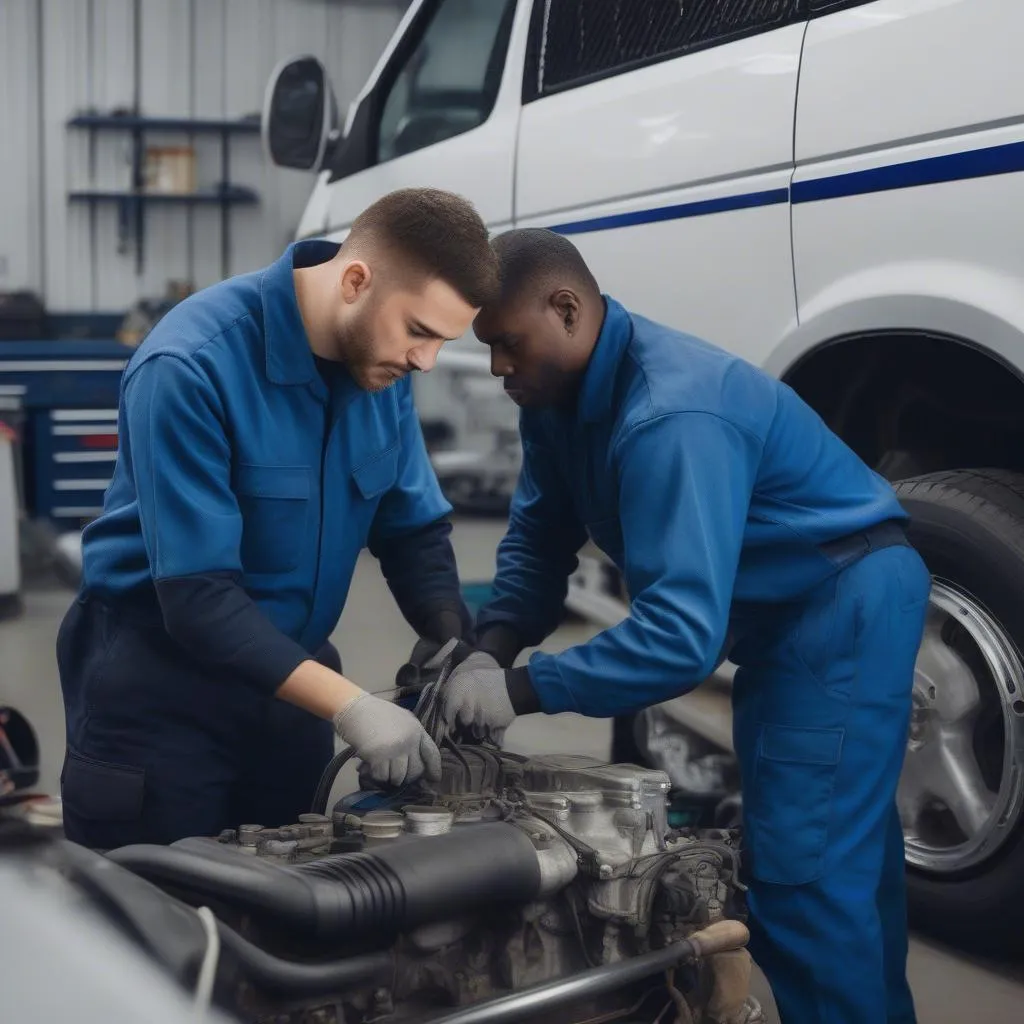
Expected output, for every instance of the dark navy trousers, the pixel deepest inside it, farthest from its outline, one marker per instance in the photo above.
(822, 702)
(160, 747)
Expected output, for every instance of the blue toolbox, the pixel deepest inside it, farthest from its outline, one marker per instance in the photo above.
(68, 392)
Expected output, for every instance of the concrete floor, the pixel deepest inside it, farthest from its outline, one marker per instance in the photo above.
(374, 641)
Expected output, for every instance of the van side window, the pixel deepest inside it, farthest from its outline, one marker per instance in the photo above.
(449, 82)
(578, 41)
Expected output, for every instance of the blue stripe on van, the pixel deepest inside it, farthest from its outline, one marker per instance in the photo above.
(977, 163)
(676, 212)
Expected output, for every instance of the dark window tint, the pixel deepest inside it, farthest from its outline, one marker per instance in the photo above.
(576, 41)
(828, 6)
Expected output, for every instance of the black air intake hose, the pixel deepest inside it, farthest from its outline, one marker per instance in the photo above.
(397, 886)
(304, 981)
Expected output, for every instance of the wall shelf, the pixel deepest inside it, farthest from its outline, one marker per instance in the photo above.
(131, 203)
(234, 195)
(129, 122)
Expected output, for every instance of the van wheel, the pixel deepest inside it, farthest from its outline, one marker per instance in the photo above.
(961, 794)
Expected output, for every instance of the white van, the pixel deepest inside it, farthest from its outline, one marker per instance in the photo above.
(833, 189)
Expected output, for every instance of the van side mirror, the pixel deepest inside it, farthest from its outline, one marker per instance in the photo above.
(300, 115)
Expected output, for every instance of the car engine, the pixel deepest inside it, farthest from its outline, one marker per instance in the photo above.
(541, 889)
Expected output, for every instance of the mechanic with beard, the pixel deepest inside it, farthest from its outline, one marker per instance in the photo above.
(731, 510)
(266, 435)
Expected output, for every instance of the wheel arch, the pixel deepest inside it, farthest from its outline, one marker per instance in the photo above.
(913, 383)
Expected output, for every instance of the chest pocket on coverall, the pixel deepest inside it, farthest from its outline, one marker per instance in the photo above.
(376, 476)
(274, 501)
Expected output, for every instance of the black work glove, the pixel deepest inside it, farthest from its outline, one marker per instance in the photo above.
(424, 666)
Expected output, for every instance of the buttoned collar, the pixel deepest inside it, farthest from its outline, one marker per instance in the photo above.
(289, 357)
(598, 389)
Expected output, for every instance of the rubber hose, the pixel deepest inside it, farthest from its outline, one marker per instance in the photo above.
(601, 980)
(278, 977)
(396, 886)
(336, 763)
(326, 783)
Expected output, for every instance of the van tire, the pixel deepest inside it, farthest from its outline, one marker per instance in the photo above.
(968, 526)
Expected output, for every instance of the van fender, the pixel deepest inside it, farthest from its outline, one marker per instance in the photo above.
(974, 305)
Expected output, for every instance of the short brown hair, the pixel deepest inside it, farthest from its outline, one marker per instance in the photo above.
(437, 232)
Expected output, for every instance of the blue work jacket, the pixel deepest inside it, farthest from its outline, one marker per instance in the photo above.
(236, 457)
(710, 485)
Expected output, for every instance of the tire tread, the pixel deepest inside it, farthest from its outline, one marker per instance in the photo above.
(980, 910)
(993, 498)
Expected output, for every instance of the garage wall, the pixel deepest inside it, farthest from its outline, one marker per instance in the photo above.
(197, 58)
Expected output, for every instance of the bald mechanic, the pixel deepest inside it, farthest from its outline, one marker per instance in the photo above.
(266, 435)
(730, 509)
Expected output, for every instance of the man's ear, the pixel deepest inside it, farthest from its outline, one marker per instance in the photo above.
(355, 280)
(567, 305)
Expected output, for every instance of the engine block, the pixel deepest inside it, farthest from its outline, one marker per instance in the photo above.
(613, 880)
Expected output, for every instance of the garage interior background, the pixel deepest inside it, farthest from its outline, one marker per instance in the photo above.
(211, 59)
(201, 59)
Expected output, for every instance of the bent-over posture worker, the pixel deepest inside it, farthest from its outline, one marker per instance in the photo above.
(731, 511)
(266, 435)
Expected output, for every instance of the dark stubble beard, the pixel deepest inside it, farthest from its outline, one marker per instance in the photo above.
(355, 347)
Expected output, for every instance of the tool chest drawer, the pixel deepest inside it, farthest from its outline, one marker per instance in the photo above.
(75, 452)
(69, 395)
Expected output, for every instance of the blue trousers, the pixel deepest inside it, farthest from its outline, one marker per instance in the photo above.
(822, 701)
(161, 747)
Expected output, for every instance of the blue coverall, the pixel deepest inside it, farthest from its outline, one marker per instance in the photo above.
(730, 508)
(249, 477)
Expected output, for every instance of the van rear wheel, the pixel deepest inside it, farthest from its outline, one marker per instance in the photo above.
(961, 794)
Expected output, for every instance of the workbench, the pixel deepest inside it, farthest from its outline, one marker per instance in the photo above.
(68, 392)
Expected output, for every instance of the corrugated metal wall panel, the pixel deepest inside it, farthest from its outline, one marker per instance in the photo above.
(210, 42)
(69, 267)
(113, 83)
(165, 91)
(199, 58)
(21, 255)
(255, 43)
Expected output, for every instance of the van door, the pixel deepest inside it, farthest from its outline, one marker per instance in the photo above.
(442, 113)
(917, 166)
(659, 137)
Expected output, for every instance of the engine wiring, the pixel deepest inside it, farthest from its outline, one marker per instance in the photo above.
(668, 1006)
(622, 1015)
(208, 969)
(429, 709)
(574, 913)
(327, 779)
(684, 1015)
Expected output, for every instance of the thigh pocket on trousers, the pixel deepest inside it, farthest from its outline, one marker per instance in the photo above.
(786, 817)
(101, 792)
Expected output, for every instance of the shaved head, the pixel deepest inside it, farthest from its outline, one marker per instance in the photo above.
(543, 327)
(535, 261)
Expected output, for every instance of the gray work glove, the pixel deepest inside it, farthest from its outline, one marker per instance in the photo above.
(476, 697)
(389, 740)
